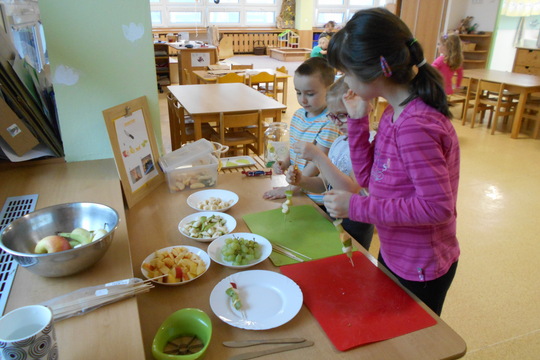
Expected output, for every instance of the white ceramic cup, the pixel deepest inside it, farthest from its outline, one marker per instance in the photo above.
(28, 333)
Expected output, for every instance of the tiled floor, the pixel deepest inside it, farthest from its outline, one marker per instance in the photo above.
(494, 302)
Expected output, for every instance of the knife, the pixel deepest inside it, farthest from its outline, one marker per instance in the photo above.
(254, 354)
(245, 343)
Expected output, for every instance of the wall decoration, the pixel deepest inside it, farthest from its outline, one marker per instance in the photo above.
(133, 32)
(200, 59)
(65, 75)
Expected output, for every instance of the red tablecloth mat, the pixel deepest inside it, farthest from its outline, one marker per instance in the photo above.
(356, 305)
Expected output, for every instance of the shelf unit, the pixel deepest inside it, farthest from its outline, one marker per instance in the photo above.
(163, 69)
(477, 58)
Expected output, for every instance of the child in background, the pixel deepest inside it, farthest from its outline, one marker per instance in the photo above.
(450, 61)
(329, 29)
(320, 49)
(336, 168)
(412, 166)
(309, 124)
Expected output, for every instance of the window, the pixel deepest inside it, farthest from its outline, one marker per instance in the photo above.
(232, 13)
(341, 11)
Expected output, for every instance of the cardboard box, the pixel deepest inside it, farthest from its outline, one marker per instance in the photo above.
(14, 131)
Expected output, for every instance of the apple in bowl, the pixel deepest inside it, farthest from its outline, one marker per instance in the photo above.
(52, 243)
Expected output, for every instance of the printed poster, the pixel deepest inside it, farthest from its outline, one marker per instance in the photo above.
(200, 59)
(135, 148)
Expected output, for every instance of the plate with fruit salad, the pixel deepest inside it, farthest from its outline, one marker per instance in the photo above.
(239, 250)
(175, 265)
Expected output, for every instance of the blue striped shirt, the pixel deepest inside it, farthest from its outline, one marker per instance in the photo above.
(317, 130)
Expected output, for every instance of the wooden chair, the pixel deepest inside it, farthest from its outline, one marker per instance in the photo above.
(241, 67)
(465, 96)
(234, 132)
(231, 78)
(225, 48)
(264, 83)
(185, 124)
(532, 114)
(491, 94)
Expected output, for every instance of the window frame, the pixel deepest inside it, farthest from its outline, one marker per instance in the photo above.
(208, 6)
(346, 9)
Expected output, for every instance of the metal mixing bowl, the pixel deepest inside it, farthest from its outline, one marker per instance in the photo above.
(21, 236)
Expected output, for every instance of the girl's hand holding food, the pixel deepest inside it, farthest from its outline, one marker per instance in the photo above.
(337, 203)
(279, 167)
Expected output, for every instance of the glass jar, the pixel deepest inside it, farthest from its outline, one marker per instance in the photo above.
(276, 143)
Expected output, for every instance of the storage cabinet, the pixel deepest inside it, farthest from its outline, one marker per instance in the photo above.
(527, 61)
(476, 50)
(161, 56)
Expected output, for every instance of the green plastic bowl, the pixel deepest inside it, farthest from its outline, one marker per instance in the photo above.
(184, 323)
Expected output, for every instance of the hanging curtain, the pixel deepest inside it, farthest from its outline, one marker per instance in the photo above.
(520, 7)
(285, 19)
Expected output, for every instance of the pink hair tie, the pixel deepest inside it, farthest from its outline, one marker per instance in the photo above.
(385, 67)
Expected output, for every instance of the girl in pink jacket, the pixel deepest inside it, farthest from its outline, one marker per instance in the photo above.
(450, 62)
(412, 167)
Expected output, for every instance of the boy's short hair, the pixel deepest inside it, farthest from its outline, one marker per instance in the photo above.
(317, 65)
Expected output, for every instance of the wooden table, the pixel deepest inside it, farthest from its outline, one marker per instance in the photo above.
(523, 84)
(205, 102)
(210, 77)
(113, 331)
(153, 224)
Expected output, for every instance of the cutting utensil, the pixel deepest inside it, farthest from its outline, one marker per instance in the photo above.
(246, 343)
(254, 354)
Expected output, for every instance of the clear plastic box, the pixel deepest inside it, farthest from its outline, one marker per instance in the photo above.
(191, 167)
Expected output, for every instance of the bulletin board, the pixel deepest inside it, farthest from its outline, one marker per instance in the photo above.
(134, 147)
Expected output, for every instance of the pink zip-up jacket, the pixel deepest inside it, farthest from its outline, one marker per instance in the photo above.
(412, 172)
(448, 74)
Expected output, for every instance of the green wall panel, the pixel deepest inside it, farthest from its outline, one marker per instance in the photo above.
(101, 55)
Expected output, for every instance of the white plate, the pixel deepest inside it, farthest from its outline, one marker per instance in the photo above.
(230, 223)
(269, 300)
(236, 161)
(201, 253)
(225, 195)
(214, 249)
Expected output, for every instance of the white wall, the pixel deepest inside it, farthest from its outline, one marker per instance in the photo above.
(485, 13)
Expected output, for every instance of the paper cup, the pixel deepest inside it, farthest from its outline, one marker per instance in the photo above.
(28, 333)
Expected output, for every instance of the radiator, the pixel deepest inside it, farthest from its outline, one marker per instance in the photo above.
(244, 43)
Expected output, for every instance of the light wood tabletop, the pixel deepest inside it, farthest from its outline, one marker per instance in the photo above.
(113, 331)
(153, 224)
(523, 84)
(205, 102)
(210, 77)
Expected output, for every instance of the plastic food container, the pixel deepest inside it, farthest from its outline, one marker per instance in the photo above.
(193, 166)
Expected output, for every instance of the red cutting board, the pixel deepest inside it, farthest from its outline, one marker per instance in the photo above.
(356, 305)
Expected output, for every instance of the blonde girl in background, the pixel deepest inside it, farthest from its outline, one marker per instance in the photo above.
(450, 62)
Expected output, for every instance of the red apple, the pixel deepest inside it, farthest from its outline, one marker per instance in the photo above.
(52, 243)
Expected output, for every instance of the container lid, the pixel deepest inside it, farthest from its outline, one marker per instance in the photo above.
(186, 155)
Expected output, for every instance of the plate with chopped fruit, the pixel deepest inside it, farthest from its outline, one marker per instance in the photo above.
(256, 299)
(212, 200)
(175, 265)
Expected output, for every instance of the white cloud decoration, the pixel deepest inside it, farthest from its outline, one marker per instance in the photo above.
(66, 75)
(133, 32)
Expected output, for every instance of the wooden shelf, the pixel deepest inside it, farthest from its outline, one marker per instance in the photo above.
(161, 58)
(477, 58)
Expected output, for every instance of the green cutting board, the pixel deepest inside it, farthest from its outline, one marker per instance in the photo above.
(303, 229)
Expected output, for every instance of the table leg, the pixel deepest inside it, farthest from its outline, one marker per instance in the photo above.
(516, 126)
(197, 128)
(285, 90)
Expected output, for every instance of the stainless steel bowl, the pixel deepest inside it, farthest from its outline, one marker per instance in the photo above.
(21, 236)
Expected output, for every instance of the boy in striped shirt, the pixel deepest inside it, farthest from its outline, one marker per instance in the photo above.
(309, 123)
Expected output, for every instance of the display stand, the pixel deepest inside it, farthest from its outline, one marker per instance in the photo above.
(134, 147)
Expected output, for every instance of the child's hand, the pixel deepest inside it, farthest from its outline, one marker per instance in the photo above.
(275, 193)
(293, 176)
(337, 203)
(307, 151)
(356, 107)
(279, 167)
